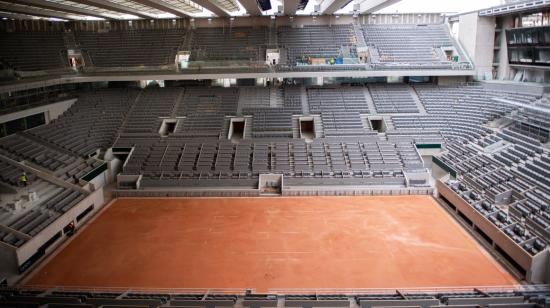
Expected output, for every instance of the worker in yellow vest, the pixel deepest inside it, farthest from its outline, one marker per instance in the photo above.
(24, 179)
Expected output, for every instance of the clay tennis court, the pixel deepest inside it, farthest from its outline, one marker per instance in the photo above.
(265, 243)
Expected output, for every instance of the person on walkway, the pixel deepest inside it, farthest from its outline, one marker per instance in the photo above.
(70, 229)
(24, 179)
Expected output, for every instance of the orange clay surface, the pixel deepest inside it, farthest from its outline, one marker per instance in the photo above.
(265, 243)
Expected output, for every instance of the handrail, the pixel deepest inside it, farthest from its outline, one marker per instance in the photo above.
(450, 289)
(233, 291)
(461, 49)
(289, 291)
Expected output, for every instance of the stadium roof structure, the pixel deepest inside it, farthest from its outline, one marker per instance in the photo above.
(147, 9)
(515, 7)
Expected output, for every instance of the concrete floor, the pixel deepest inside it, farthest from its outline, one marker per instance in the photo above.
(267, 243)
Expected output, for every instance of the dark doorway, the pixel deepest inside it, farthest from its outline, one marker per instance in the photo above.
(237, 130)
(378, 125)
(170, 127)
(307, 129)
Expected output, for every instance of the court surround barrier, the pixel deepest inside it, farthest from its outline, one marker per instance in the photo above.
(20, 259)
(535, 267)
(444, 166)
(311, 297)
(428, 145)
(505, 296)
(94, 173)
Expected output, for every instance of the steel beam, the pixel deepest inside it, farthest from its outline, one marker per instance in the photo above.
(251, 7)
(114, 7)
(212, 8)
(163, 6)
(61, 7)
(34, 11)
(371, 6)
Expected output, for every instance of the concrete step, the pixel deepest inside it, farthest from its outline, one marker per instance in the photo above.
(247, 128)
(369, 100)
(296, 127)
(319, 129)
(389, 123)
(225, 129)
(417, 100)
(365, 121)
(178, 101)
(305, 103)
(274, 98)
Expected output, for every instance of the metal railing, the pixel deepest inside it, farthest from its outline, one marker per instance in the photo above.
(423, 290)
(99, 289)
(290, 291)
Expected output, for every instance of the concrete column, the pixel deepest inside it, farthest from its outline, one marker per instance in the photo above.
(320, 81)
(477, 36)
(503, 65)
(260, 82)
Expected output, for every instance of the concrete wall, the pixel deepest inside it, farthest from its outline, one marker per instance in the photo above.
(129, 76)
(540, 268)
(526, 73)
(52, 111)
(518, 87)
(438, 173)
(411, 18)
(477, 35)
(485, 45)
(400, 303)
(503, 71)
(101, 179)
(98, 25)
(295, 21)
(451, 80)
(115, 167)
(157, 193)
(29, 248)
(342, 190)
(466, 33)
(250, 21)
(497, 236)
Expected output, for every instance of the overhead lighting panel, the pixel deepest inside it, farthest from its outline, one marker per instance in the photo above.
(185, 5)
(228, 5)
(99, 10)
(136, 6)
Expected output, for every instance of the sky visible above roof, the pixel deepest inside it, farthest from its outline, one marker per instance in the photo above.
(419, 6)
(403, 6)
(439, 6)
